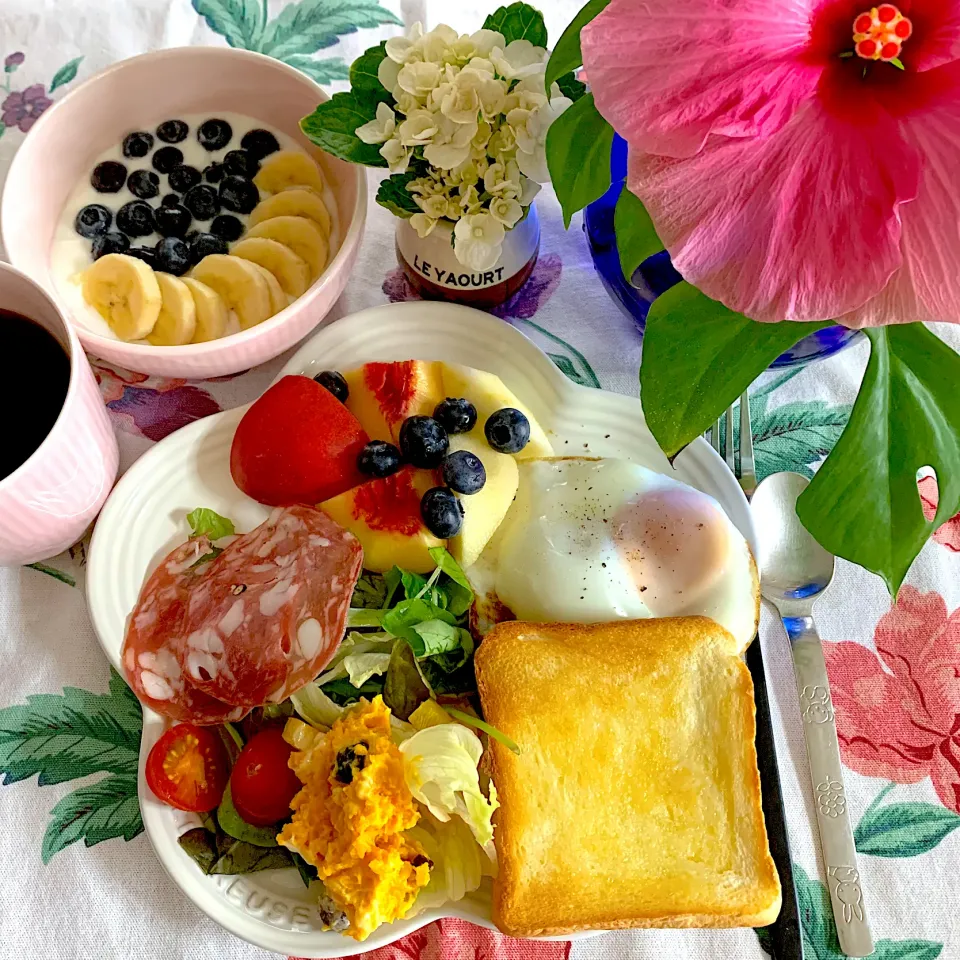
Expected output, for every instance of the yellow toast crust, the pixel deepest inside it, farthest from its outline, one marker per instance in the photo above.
(635, 800)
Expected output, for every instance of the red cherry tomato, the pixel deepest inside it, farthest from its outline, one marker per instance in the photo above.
(262, 784)
(188, 768)
(297, 444)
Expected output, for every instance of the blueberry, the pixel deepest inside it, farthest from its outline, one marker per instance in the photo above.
(109, 242)
(202, 201)
(226, 227)
(144, 184)
(423, 441)
(442, 512)
(147, 254)
(241, 163)
(238, 195)
(93, 220)
(182, 178)
(214, 173)
(260, 143)
(203, 244)
(507, 430)
(172, 221)
(379, 459)
(135, 219)
(456, 415)
(170, 200)
(173, 256)
(108, 177)
(333, 381)
(167, 159)
(137, 144)
(464, 472)
(214, 134)
(172, 131)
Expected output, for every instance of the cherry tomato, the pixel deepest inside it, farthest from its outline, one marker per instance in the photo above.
(262, 785)
(188, 768)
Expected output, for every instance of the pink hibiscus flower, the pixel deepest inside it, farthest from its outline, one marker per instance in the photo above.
(790, 171)
(458, 940)
(949, 533)
(903, 722)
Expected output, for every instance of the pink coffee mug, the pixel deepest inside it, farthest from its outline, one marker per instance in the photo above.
(48, 502)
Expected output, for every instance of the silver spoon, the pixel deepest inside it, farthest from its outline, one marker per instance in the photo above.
(794, 572)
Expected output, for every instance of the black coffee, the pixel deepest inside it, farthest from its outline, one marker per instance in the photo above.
(33, 386)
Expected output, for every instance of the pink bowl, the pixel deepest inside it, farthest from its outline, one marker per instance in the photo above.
(132, 95)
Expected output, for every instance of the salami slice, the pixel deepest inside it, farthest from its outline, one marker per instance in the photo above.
(149, 661)
(270, 611)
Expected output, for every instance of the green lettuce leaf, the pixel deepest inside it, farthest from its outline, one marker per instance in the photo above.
(399, 621)
(206, 522)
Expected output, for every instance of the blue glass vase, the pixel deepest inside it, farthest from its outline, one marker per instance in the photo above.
(656, 274)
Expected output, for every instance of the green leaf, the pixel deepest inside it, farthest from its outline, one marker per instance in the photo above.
(435, 636)
(308, 872)
(233, 824)
(403, 689)
(364, 81)
(519, 21)
(342, 691)
(94, 813)
(324, 70)
(65, 74)
(571, 87)
(636, 235)
(332, 127)
(312, 25)
(204, 521)
(863, 504)
(399, 622)
(395, 197)
(904, 829)
(239, 22)
(74, 734)
(237, 856)
(567, 55)
(362, 617)
(201, 846)
(488, 728)
(370, 592)
(459, 591)
(698, 357)
(578, 156)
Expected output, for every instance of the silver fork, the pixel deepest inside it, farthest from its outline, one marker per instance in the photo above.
(786, 939)
(743, 468)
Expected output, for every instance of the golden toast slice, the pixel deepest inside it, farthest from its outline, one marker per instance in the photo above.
(635, 799)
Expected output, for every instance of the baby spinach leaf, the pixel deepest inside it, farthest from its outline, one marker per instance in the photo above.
(370, 592)
(201, 846)
(235, 826)
(236, 856)
(519, 21)
(399, 621)
(342, 691)
(403, 688)
(458, 590)
(413, 584)
(206, 522)
(435, 636)
(308, 872)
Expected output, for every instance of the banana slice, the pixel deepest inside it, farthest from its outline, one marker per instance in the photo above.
(240, 283)
(294, 202)
(124, 291)
(291, 271)
(288, 168)
(301, 235)
(211, 312)
(177, 321)
(278, 299)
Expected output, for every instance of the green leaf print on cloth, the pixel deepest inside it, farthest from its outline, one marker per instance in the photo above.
(297, 32)
(902, 829)
(61, 737)
(820, 932)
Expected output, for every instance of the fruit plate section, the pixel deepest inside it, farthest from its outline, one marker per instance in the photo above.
(144, 519)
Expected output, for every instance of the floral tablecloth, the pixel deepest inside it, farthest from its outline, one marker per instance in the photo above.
(77, 876)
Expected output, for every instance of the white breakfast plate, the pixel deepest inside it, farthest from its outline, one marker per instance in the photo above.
(144, 519)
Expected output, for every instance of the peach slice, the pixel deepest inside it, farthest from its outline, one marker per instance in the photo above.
(383, 395)
(384, 515)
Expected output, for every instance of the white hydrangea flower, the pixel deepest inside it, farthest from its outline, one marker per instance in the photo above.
(460, 100)
(484, 42)
(497, 179)
(422, 224)
(396, 155)
(481, 65)
(453, 209)
(406, 102)
(528, 190)
(434, 207)
(418, 129)
(387, 72)
(480, 139)
(465, 172)
(506, 210)
(379, 129)
(519, 60)
(419, 78)
(469, 200)
(530, 128)
(451, 145)
(400, 49)
(477, 241)
(435, 47)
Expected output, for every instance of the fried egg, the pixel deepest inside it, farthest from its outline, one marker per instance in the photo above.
(589, 540)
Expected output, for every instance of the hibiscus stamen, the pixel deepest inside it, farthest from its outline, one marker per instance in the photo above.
(879, 33)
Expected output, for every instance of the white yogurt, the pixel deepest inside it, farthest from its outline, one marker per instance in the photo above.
(70, 253)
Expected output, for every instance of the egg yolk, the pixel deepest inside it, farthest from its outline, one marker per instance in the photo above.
(675, 545)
